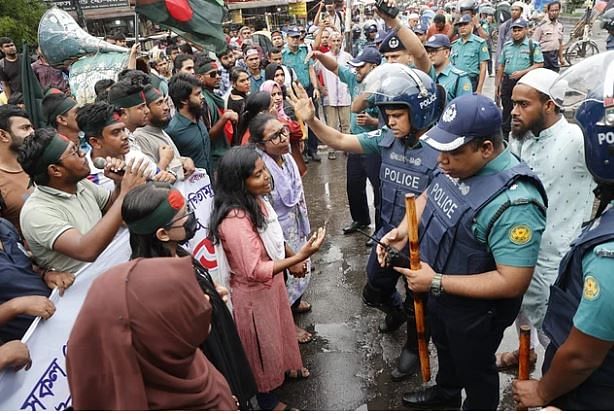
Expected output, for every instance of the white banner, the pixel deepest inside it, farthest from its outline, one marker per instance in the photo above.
(45, 385)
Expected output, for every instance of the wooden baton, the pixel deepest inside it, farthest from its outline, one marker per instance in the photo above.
(414, 264)
(524, 353)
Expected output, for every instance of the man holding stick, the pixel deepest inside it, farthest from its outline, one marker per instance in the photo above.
(480, 228)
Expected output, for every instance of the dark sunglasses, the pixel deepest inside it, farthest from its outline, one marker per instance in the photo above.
(214, 74)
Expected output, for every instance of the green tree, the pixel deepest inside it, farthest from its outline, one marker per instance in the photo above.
(19, 19)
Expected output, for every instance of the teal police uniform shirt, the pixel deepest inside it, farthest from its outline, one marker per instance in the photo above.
(296, 61)
(348, 77)
(517, 56)
(468, 55)
(515, 237)
(369, 141)
(595, 314)
(454, 81)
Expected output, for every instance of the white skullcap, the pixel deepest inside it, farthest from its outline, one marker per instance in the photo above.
(518, 4)
(413, 16)
(540, 79)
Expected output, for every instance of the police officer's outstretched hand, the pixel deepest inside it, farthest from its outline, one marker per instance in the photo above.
(393, 239)
(419, 281)
(526, 394)
(300, 101)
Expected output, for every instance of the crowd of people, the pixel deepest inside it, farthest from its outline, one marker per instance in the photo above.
(503, 188)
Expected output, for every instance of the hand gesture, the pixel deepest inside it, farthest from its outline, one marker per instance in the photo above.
(418, 280)
(231, 116)
(298, 270)
(313, 244)
(300, 101)
(61, 280)
(366, 119)
(526, 394)
(165, 153)
(136, 172)
(390, 21)
(113, 169)
(34, 305)
(188, 166)
(393, 239)
(165, 177)
(15, 354)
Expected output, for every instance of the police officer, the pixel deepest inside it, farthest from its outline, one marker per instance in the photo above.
(579, 362)
(410, 102)
(519, 56)
(359, 166)
(470, 53)
(455, 81)
(480, 228)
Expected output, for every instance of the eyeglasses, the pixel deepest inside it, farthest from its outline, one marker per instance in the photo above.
(275, 138)
(75, 152)
(214, 74)
(188, 213)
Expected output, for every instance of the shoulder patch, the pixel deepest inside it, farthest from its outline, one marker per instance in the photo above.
(467, 86)
(591, 288)
(520, 234)
(602, 251)
(375, 133)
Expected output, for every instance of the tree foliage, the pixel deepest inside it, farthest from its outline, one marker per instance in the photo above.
(19, 19)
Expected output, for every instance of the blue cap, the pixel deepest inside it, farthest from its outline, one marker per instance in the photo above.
(520, 23)
(391, 43)
(368, 55)
(419, 29)
(465, 118)
(465, 18)
(437, 41)
(293, 31)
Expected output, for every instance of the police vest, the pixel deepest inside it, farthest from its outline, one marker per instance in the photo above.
(447, 242)
(565, 296)
(403, 170)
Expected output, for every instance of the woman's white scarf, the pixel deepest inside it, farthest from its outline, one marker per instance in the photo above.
(272, 236)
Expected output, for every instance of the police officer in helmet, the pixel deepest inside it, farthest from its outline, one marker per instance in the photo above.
(579, 362)
(409, 102)
(481, 221)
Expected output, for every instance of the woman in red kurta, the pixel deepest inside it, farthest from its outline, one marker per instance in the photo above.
(246, 225)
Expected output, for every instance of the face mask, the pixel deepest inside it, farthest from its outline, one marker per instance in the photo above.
(190, 228)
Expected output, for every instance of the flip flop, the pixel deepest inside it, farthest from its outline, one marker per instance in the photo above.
(302, 373)
(303, 307)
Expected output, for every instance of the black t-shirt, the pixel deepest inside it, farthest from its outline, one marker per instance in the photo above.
(10, 72)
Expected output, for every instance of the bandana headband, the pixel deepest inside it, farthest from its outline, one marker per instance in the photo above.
(129, 101)
(160, 216)
(51, 154)
(65, 106)
(206, 68)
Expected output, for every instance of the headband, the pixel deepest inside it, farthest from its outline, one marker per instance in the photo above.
(160, 216)
(113, 119)
(152, 94)
(51, 154)
(206, 68)
(66, 105)
(128, 101)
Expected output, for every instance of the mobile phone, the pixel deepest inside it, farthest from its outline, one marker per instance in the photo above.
(383, 7)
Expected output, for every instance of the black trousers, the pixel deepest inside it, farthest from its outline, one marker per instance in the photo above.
(474, 81)
(467, 334)
(360, 168)
(507, 85)
(551, 60)
(312, 139)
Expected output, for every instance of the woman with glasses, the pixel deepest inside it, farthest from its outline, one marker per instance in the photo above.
(272, 139)
(160, 220)
(247, 227)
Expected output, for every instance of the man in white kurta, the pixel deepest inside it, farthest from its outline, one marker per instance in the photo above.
(554, 149)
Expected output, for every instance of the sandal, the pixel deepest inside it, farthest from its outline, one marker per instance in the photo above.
(303, 307)
(303, 336)
(509, 360)
(294, 374)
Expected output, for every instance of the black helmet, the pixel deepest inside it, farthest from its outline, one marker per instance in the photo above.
(466, 5)
(607, 20)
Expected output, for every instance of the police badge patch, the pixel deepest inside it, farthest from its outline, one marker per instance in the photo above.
(520, 234)
(591, 288)
(449, 114)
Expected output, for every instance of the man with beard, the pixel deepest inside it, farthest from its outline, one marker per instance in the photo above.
(518, 57)
(14, 127)
(187, 128)
(10, 71)
(68, 220)
(554, 149)
(227, 59)
(155, 142)
(218, 120)
(505, 30)
(60, 112)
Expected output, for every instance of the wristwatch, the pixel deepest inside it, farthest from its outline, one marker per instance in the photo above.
(436, 288)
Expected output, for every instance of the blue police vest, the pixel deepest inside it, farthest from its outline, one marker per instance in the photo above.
(403, 170)
(447, 242)
(565, 296)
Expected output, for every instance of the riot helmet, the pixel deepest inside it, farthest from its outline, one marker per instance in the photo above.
(396, 84)
(607, 20)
